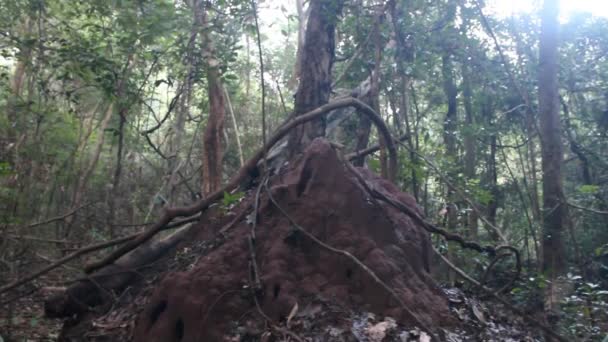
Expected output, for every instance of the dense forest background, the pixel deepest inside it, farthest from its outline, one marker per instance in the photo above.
(112, 110)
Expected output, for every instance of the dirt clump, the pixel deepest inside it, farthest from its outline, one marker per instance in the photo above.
(325, 198)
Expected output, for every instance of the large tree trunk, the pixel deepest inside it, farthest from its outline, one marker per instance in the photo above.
(212, 138)
(554, 210)
(317, 57)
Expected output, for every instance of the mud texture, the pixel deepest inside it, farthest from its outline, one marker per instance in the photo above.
(326, 199)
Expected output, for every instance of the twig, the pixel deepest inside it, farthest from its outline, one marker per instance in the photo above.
(57, 218)
(288, 332)
(37, 239)
(356, 261)
(591, 210)
(255, 272)
(529, 318)
(69, 257)
(369, 150)
(231, 224)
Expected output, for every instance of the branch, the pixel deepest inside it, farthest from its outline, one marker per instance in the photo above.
(249, 168)
(595, 211)
(57, 218)
(431, 228)
(69, 257)
(172, 105)
(370, 150)
(83, 251)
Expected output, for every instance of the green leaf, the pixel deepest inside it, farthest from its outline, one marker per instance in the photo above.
(5, 168)
(588, 189)
(230, 199)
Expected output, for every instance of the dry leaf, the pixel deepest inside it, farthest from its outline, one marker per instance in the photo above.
(293, 312)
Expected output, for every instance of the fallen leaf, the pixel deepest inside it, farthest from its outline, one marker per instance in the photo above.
(293, 312)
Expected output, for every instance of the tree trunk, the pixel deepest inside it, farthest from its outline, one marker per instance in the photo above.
(212, 137)
(469, 144)
(83, 179)
(554, 210)
(302, 18)
(555, 217)
(316, 63)
(450, 125)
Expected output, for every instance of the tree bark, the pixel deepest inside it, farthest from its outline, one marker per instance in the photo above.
(450, 125)
(316, 63)
(212, 137)
(554, 209)
(469, 144)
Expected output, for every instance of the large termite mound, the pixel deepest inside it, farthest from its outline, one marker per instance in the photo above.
(324, 197)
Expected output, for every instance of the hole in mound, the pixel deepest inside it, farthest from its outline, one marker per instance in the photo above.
(179, 329)
(276, 290)
(304, 180)
(292, 238)
(157, 311)
(349, 273)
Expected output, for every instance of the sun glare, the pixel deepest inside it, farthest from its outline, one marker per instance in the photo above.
(506, 8)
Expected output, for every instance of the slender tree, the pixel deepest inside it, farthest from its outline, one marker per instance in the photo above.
(554, 209)
(212, 137)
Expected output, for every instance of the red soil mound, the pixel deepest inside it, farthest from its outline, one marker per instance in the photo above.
(324, 198)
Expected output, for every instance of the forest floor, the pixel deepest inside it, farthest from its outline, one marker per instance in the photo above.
(320, 319)
(26, 321)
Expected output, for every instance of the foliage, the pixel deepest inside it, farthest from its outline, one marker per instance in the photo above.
(66, 66)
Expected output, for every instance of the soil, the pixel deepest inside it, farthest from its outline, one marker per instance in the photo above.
(324, 198)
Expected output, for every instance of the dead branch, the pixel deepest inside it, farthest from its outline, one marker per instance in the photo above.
(83, 251)
(503, 301)
(65, 259)
(57, 218)
(249, 168)
(37, 239)
(91, 290)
